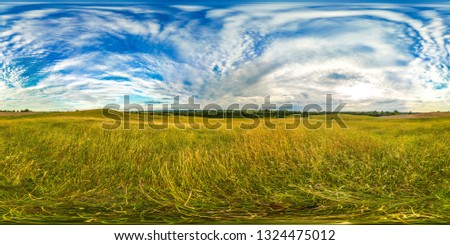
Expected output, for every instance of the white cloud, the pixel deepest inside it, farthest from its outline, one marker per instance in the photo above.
(190, 8)
(245, 52)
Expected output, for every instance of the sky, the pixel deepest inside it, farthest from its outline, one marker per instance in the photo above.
(372, 56)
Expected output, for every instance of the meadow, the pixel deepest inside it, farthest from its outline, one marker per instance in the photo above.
(64, 168)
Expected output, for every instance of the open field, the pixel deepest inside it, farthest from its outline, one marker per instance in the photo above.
(421, 115)
(63, 167)
(16, 114)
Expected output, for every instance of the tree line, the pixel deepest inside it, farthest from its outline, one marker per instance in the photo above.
(26, 110)
(263, 113)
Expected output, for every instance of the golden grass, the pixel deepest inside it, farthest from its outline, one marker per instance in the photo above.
(63, 167)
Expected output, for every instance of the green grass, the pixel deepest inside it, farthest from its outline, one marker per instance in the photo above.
(63, 168)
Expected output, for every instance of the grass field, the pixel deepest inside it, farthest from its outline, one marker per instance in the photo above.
(63, 168)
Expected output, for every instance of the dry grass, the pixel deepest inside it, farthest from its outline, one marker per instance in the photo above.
(62, 167)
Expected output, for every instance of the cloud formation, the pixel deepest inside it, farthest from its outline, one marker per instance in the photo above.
(374, 57)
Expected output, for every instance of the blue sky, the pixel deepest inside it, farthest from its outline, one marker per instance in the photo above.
(206, 2)
(383, 56)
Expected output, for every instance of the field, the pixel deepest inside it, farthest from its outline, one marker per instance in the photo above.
(64, 168)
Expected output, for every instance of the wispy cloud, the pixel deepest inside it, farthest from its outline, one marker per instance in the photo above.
(72, 56)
